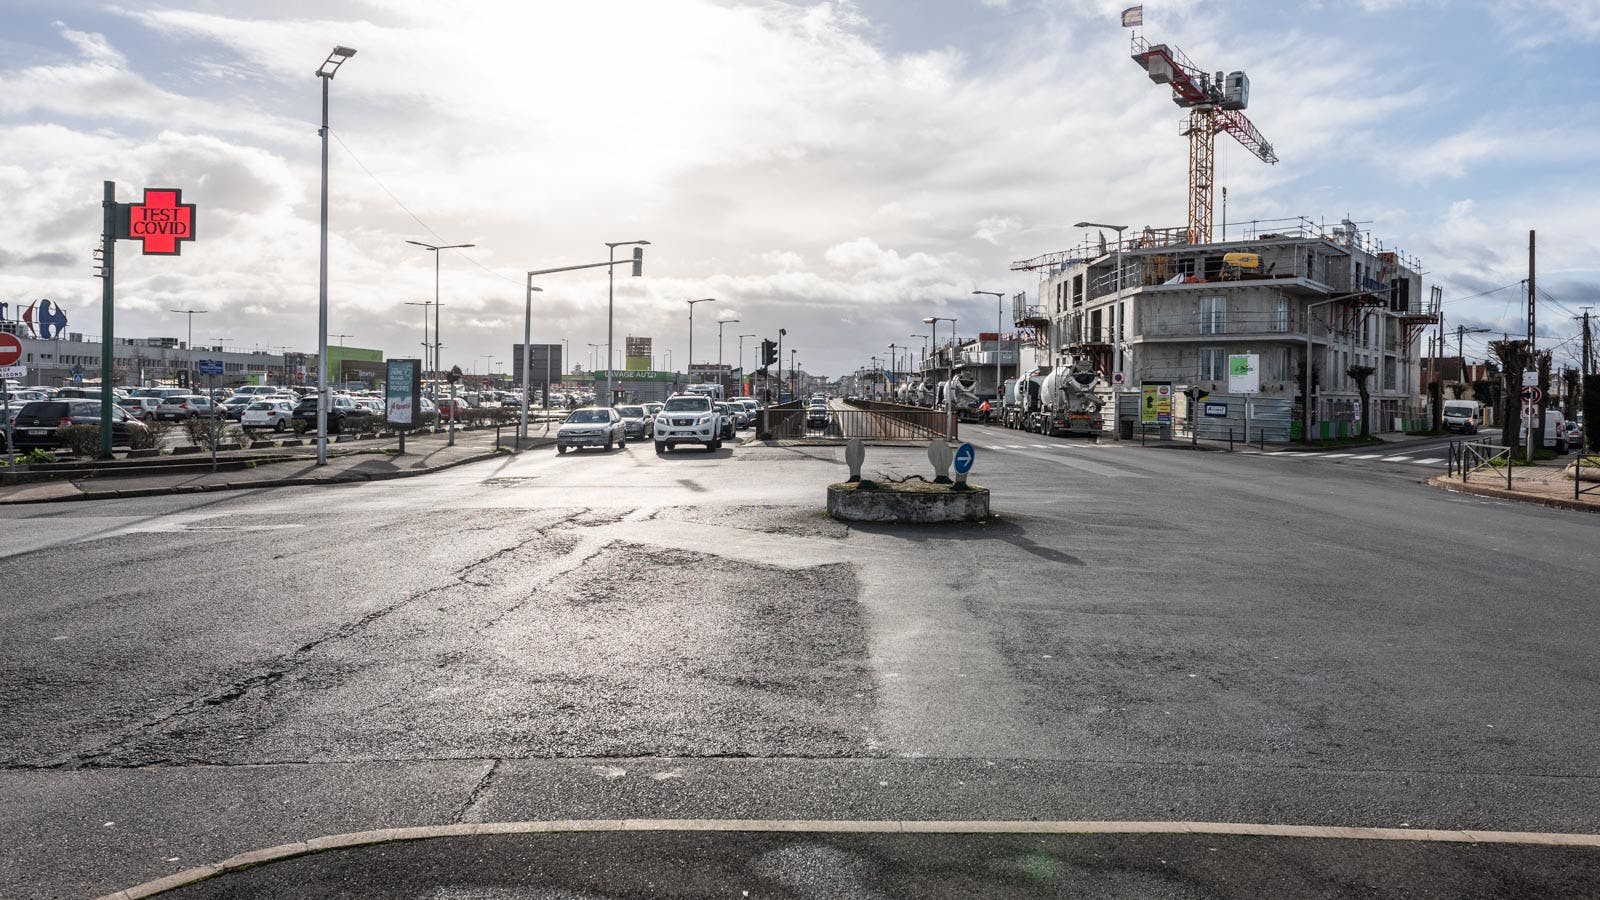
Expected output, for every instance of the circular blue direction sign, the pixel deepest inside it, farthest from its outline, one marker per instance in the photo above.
(965, 454)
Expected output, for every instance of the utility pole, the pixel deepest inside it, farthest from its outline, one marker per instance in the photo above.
(1588, 346)
(1536, 411)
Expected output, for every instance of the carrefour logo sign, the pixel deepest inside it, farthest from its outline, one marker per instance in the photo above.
(41, 318)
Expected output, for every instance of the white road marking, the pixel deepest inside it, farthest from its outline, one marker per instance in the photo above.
(1396, 459)
(1367, 456)
(1428, 462)
(1337, 455)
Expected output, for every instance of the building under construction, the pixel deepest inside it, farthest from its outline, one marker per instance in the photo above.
(1154, 307)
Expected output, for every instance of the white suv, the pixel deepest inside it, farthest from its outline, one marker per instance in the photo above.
(688, 419)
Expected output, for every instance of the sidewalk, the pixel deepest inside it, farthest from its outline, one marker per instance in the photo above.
(370, 460)
(1545, 483)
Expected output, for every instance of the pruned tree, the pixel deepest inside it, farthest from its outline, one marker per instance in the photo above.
(1513, 357)
(1572, 381)
(1360, 375)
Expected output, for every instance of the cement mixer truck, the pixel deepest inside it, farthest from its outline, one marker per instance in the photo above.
(1068, 403)
(963, 397)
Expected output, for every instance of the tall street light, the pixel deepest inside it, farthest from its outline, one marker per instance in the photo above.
(326, 71)
(689, 372)
(743, 391)
(638, 269)
(999, 326)
(191, 313)
(924, 358)
(438, 339)
(611, 284)
(950, 371)
(527, 352)
(594, 357)
(720, 324)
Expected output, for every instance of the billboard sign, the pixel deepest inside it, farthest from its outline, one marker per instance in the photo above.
(1244, 373)
(1155, 403)
(402, 391)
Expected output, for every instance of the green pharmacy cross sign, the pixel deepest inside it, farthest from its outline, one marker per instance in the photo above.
(161, 224)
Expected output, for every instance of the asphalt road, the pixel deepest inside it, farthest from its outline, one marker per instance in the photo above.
(1139, 635)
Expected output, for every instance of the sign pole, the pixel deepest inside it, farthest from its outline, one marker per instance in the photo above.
(108, 293)
(11, 450)
(214, 436)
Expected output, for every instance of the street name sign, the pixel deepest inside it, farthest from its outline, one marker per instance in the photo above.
(13, 371)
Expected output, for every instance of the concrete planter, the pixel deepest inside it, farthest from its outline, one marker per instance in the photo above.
(919, 504)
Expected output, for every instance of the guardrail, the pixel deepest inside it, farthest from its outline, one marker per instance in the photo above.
(881, 421)
(907, 421)
(1466, 457)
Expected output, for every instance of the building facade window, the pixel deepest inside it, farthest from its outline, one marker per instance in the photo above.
(1213, 363)
(1281, 315)
(1213, 315)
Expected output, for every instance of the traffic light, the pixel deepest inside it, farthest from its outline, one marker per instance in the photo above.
(769, 352)
(638, 261)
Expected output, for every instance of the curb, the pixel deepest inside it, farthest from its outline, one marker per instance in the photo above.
(1444, 482)
(250, 485)
(281, 852)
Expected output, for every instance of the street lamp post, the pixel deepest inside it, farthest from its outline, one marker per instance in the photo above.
(594, 357)
(999, 326)
(950, 372)
(721, 323)
(191, 313)
(438, 339)
(527, 353)
(689, 373)
(326, 71)
(611, 281)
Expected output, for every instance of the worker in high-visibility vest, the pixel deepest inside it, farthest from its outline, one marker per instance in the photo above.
(985, 410)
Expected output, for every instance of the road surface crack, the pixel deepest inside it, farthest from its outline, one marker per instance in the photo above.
(477, 791)
(287, 663)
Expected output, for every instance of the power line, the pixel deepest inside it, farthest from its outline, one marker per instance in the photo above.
(414, 217)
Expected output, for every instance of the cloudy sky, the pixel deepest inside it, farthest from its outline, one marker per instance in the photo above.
(838, 169)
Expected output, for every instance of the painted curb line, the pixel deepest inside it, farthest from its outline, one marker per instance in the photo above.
(282, 852)
(1445, 482)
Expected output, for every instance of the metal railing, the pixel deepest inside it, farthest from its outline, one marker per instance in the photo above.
(1466, 457)
(1578, 490)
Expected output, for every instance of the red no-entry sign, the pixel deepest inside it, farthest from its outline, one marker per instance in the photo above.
(10, 349)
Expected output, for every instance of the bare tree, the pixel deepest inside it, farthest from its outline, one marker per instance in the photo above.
(1513, 356)
(1360, 374)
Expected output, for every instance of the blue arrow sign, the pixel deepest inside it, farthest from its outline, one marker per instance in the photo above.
(209, 366)
(965, 455)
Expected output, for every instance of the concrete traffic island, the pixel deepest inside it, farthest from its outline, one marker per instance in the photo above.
(913, 501)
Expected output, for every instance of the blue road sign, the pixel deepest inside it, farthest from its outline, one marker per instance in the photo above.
(1217, 410)
(209, 366)
(965, 454)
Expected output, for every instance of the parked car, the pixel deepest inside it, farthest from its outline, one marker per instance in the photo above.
(258, 391)
(687, 419)
(342, 411)
(452, 408)
(1465, 416)
(635, 421)
(1574, 433)
(38, 424)
(725, 419)
(158, 393)
(275, 414)
(233, 408)
(652, 407)
(141, 408)
(591, 426)
(185, 406)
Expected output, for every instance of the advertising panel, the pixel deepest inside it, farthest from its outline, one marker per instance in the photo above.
(1244, 373)
(402, 391)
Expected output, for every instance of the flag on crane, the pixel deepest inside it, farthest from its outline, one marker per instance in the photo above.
(1133, 16)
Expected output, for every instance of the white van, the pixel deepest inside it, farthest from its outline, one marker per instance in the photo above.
(1555, 431)
(1465, 416)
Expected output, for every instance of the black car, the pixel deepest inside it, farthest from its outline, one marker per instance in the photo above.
(39, 424)
(342, 411)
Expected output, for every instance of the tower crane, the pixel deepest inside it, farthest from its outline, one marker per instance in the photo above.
(1214, 104)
